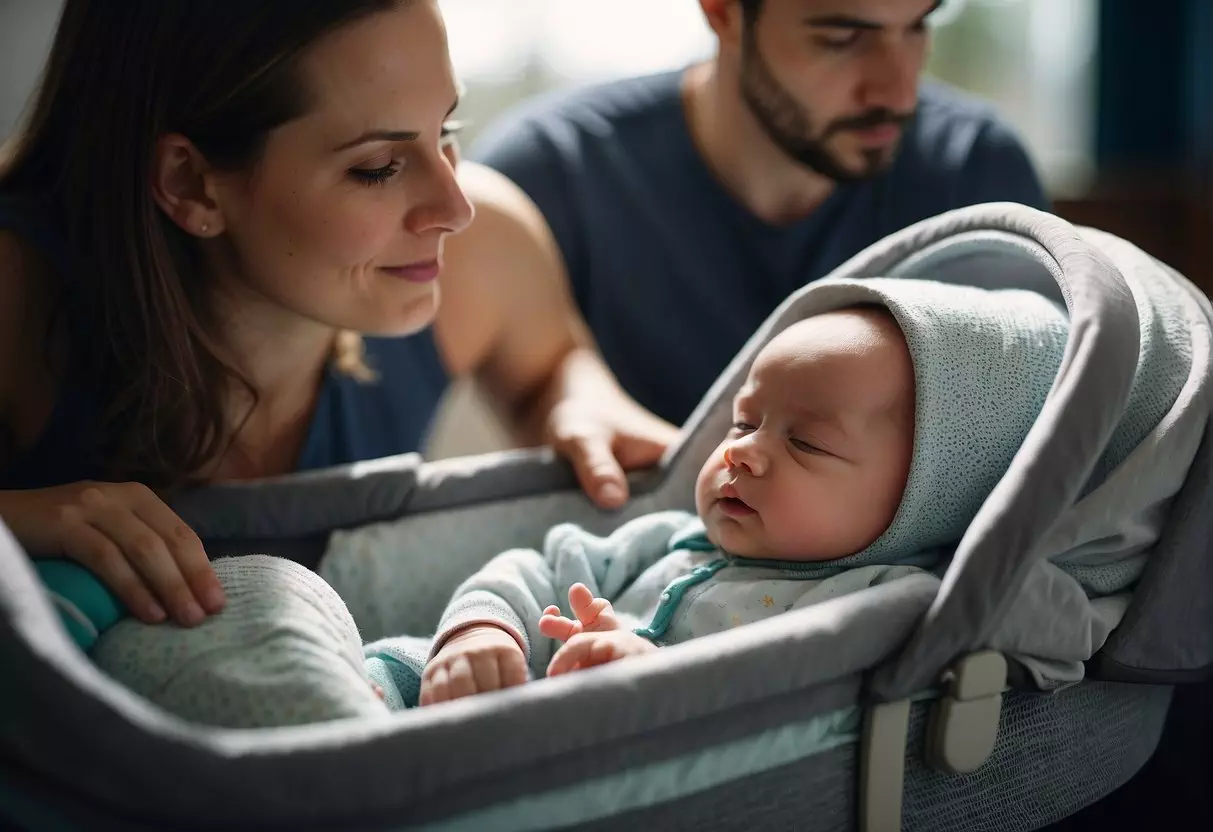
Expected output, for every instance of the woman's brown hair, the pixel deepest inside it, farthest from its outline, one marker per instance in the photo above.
(134, 310)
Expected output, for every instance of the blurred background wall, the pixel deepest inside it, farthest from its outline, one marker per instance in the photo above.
(1114, 99)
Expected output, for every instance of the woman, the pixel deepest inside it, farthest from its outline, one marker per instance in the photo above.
(209, 207)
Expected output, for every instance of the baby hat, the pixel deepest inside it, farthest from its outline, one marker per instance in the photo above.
(284, 651)
(984, 362)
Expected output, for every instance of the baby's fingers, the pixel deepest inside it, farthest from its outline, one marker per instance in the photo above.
(554, 625)
(512, 669)
(595, 614)
(568, 658)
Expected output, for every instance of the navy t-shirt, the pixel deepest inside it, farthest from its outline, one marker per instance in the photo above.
(671, 272)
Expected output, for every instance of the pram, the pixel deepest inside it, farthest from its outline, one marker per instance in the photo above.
(880, 710)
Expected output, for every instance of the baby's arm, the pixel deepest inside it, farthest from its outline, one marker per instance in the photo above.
(518, 589)
(483, 643)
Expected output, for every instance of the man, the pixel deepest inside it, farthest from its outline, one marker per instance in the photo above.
(682, 208)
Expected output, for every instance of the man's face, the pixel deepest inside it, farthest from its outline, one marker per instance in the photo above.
(833, 82)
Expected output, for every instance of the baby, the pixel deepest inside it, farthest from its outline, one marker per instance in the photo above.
(864, 440)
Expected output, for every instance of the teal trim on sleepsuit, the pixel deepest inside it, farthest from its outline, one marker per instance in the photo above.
(662, 782)
(672, 597)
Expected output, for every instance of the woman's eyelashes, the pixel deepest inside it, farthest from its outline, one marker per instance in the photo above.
(382, 174)
(376, 176)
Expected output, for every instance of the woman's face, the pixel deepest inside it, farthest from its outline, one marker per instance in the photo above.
(342, 220)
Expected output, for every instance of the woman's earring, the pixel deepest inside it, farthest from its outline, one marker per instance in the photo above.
(205, 228)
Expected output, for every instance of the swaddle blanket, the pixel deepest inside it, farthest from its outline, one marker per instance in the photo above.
(285, 651)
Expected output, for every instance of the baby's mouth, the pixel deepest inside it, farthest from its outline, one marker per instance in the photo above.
(732, 504)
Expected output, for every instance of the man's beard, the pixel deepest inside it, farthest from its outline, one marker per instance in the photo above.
(789, 126)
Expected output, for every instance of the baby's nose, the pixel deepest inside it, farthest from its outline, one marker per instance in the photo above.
(744, 456)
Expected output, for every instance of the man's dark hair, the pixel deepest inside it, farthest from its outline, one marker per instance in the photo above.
(750, 9)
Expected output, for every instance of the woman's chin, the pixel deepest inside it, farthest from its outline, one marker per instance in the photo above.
(403, 320)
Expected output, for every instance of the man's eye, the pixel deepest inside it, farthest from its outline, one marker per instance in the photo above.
(838, 42)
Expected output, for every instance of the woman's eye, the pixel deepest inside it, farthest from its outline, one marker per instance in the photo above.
(743, 427)
(375, 176)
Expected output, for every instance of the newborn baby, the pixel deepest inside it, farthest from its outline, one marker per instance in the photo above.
(864, 440)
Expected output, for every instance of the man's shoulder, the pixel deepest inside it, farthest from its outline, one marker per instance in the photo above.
(595, 109)
(952, 125)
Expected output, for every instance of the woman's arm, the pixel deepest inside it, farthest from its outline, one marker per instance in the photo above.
(120, 532)
(507, 316)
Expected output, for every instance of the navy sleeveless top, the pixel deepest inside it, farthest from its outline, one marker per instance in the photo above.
(353, 420)
(664, 261)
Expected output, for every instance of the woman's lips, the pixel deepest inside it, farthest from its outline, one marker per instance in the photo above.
(423, 272)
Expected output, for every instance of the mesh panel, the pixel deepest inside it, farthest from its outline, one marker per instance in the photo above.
(816, 794)
(1055, 754)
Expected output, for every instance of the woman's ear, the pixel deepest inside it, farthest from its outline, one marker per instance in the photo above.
(181, 186)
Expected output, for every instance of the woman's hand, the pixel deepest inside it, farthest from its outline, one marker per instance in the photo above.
(605, 436)
(123, 533)
(480, 659)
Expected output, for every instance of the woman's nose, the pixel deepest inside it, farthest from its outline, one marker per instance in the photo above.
(441, 203)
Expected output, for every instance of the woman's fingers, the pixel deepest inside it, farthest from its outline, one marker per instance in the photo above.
(150, 557)
(95, 550)
(186, 550)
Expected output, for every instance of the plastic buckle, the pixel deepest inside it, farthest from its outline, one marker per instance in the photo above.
(963, 725)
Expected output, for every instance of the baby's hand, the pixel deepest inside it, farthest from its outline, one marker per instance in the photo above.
(589, 649)
(477, 660)
(594, 615)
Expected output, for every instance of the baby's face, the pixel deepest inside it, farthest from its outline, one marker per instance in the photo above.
(817, 459)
